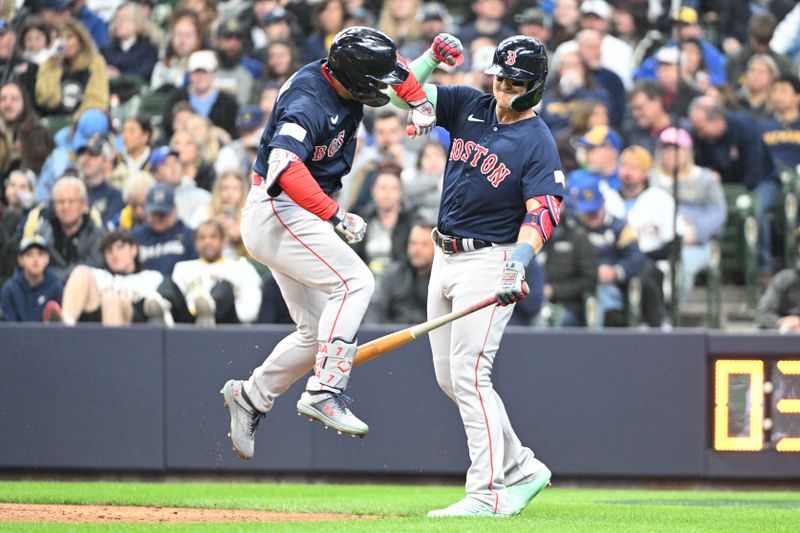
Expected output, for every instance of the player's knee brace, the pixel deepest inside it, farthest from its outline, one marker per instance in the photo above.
(334, 362)
(545, 216)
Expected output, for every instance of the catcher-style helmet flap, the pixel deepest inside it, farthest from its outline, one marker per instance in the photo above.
(364, 61)
(522, 58)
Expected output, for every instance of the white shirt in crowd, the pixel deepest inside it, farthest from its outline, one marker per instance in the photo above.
(137, 285)
(198, 276)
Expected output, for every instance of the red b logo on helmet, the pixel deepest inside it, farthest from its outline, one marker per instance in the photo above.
(511, 57)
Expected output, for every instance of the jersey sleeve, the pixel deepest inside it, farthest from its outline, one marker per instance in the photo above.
(298, 125)
(544, 174)
(451, 101)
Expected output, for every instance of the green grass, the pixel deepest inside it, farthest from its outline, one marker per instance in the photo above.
(556, 509)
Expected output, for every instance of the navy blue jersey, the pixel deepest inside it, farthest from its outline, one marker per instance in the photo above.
(493, 168)
(315, 123)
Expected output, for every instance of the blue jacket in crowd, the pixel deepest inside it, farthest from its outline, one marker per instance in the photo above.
(713, 59)
(615, 244)
(96, 26)
(107, 199)
(740, 155)
(783, 141)
(23, 303)
(160, 251)
(139, 60)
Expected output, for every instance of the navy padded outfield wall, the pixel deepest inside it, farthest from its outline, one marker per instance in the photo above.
(617, 404)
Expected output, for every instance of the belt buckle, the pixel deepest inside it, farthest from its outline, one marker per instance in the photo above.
(447, 244)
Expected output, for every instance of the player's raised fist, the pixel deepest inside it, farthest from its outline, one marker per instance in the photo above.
(350, 225)
(448, 49)
(422, 115)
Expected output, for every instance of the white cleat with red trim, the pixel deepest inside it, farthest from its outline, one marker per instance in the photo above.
(466, 506)
(331, 409)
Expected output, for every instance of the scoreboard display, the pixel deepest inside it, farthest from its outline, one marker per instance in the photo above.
(756, 405)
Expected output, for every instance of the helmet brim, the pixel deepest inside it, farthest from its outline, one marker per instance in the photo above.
(508, 72)
(395, 77)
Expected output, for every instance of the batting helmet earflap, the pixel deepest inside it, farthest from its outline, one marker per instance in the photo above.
(521, 58)
(364, 61)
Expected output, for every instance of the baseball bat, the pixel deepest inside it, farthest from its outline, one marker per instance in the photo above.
(371, 350)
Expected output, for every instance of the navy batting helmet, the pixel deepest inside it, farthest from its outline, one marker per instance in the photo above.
(521, 58)
(364, 61)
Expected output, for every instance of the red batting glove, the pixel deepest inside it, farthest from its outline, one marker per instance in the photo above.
(448, 49)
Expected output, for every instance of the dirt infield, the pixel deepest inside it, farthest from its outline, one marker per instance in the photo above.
(20, 512)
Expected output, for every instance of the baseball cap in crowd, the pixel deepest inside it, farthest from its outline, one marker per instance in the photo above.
(97, 144)
(601, 136)
(276, 15)
(35, 240)
(230, 28)
(91, 121)
(598, 8)
(249, 117)
(432, 11)
(160, 200)
(668, 55)
(585, 196)
(159, 155)
(203, 60)
(55, 5)
(638, 155)
(676, 136)
(533, 15)
(685, 15)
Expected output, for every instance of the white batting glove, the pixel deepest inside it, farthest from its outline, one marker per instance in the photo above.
(512, 284)
(350, 225)
(448, 49)
(421, 118)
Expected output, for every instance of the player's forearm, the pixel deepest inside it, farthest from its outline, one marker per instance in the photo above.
(422, 68)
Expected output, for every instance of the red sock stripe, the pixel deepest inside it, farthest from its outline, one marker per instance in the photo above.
(307, 247)
(485, 417)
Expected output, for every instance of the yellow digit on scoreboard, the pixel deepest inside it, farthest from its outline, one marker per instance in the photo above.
(723, 370)
(789, 406)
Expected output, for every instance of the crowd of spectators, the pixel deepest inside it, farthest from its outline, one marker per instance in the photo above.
(128, 129)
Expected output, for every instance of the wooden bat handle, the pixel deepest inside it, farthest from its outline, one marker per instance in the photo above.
(371, 350)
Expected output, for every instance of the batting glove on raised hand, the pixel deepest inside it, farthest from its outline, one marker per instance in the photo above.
(351, 226)
(421, 118)
(512, 286)
(448, 49)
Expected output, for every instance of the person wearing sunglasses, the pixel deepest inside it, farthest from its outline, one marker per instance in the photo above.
(503, 186)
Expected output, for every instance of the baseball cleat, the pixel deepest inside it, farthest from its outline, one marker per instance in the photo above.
(244, 418)
(331, 409)
(521, 494)
(465, 507)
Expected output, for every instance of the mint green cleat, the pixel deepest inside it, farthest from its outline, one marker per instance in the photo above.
(465, 507)
(520, 495)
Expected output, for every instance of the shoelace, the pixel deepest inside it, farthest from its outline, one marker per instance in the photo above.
(254, 422)
(342, 401)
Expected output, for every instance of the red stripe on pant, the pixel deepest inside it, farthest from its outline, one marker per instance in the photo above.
(307, 247)
(485, 417)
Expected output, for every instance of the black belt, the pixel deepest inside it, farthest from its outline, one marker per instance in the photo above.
(454, 245)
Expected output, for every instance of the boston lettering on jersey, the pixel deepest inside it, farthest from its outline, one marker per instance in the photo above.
(493, 168)
(462, 151)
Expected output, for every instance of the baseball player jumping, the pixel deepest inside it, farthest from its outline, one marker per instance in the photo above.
(503, 186)
(289, 220)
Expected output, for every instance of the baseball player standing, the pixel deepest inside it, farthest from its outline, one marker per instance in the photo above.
(288, 224)
(502, 190)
